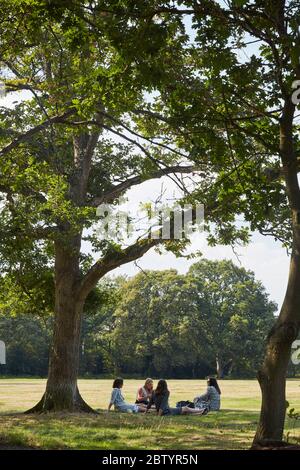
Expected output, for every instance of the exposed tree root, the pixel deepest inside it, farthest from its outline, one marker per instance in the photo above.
(269, 444)
(48, 404)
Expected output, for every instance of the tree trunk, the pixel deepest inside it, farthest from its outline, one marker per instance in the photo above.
(61, 391)
(227, 369)
(219, 367)
(272, 375)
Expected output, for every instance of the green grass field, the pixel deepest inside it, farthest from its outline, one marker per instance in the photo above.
(231, 428)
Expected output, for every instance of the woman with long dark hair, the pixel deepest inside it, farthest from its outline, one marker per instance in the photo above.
(212, 398)
(160, 398)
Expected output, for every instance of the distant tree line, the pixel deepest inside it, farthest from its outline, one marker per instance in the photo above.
(159, 323)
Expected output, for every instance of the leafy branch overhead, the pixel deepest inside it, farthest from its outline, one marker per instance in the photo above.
(65, 163)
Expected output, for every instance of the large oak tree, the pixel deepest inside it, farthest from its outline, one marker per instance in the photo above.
(71, 146)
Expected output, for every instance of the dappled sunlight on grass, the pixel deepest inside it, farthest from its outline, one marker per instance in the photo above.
(231, 428)
(117, 431)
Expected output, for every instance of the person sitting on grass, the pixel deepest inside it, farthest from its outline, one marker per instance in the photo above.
(118, 401)
(212, 398)
(160, 398)
(144, 393)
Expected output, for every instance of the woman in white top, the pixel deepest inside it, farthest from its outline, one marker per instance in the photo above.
(119, 402)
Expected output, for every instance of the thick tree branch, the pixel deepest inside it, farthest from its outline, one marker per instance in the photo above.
(28, 135)
(146, 152)
(112, 261)
(119, 189)
(289, 159)
(84, 146)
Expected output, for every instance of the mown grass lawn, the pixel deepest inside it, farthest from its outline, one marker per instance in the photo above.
(231, 428)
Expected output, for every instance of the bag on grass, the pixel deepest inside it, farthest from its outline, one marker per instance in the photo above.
(187, 403)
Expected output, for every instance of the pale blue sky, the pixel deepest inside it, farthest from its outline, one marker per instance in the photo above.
(267, 258)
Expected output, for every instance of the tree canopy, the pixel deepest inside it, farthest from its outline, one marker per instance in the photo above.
(157, 323)
(169, 324)
(69, 147)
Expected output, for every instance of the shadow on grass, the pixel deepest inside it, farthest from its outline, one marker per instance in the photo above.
(226, 429)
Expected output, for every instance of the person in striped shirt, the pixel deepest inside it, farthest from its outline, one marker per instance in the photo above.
(212, 398)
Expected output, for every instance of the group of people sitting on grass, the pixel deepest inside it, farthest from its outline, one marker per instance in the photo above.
(157, 400)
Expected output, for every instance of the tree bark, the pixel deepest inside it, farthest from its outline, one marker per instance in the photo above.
(272, 375)
(219, 367)
(62, 392)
